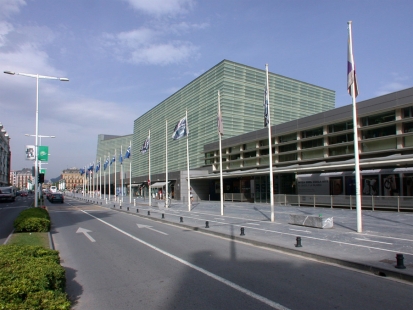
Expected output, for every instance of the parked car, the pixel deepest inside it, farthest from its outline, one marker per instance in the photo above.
(7, 193)
(56, 197)
(23, 193)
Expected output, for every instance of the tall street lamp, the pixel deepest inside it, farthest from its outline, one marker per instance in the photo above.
(40, 143)
(37, 77)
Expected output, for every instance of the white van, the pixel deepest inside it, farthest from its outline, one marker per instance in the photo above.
(53, 189)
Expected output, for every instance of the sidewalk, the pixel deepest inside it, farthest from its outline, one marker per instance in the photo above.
(385, 234)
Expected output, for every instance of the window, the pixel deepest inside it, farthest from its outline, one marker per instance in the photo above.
(287, 148)
(379, 118)
(408, 112)
(286, 138)
(312, 132)
(340, 127)
(408, 127)
(250, 154)
(287, 157)
(312, 143)
(234, 157)
(349, 137)
(379, 132)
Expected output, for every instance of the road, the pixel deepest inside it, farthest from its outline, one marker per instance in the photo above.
(115, 260)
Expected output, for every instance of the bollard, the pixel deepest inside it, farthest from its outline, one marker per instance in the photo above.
(298, 245)
(137, 210)
(127, 208)
(400, 259)
(114, 206)
(149, 212)
(120, 207)
(242, 231)
(206, 224)
(163, 215)
(181, 219)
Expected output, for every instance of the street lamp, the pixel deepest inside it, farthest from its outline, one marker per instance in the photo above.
(40, 143)
(37, 77)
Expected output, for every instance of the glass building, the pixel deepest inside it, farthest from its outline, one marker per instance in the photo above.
(241, 96)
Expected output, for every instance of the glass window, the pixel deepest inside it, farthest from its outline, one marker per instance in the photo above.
(312, 132)
(286, 138)
(234, 157)
(379, 132)
(408, 112)
(341, 138)
(264, 142)
(340, 127)
(312, 143)
(287, 148)
(341, 150)
(287, 157)
(378, 118)
(408, 127)
(264, 152)
(250, 154)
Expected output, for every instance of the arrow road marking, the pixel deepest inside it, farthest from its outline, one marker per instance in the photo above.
(150, 227)
(85, 232)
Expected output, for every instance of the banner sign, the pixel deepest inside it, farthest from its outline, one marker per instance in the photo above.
(43, 154)
(30, 152)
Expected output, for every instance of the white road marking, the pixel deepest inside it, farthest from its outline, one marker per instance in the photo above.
(306, 231)
(373, 241)
(150, 228)
(205, 272)
(86, 233)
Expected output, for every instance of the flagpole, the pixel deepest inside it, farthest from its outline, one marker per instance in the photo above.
(187, 159)
(109, 187)
(115, 178)
(270, 146)
(149, 162)
(166, 164)
(355, 129)
(121, 174)
(130, 173)
(100, 178)
(104, 184)
(221, 185)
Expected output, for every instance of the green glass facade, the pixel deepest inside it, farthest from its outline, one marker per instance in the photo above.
(242, 95)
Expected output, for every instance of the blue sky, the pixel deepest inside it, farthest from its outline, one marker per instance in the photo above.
(125, 56)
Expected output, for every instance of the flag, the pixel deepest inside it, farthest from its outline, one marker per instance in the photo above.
(127, 154)
(91, 167)
(113, 160)
(351, 67)
(120, 158)
(105, 165)
(220, 123)
(82, 171)
(97, 166)
(145, 146)
(181, 129)
(266, 116)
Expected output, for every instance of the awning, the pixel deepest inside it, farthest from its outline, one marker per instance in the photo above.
(158, 184)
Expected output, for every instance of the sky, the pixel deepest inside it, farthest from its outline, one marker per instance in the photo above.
(123, 57)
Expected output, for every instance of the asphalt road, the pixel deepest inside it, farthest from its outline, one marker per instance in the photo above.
(115, 260)
(8, 213)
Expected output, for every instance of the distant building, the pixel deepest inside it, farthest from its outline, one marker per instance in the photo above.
(22, 179)
(71, 179)
(5, 155)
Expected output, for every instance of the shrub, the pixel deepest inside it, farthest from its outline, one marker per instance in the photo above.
(31, 278)
(33, 220)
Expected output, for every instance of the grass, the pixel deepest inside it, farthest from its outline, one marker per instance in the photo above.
(33, 238)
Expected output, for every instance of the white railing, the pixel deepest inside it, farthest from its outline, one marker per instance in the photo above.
(395, 203)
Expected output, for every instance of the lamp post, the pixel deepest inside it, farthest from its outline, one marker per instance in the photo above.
(40, 143)
(37, 77)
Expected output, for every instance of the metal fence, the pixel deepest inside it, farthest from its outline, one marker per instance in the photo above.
(393, 203)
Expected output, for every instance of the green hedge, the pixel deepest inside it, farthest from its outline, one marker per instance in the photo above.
(31, 278)
(32, 220)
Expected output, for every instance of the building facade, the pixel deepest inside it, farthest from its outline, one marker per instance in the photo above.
(5, 156)
(315, 154)
(71, 179)
(241, 96)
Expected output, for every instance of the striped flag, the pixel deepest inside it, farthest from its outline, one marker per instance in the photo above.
(181, 129)
(351, 67)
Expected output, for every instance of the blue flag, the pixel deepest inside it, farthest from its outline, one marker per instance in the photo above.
(91, 167)
(181, 129)
(266, 116)
(127, 154)
(97, 166)
(105, 165)
(113, 160)
(120, 158)
(145, 146)
(82, 171)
